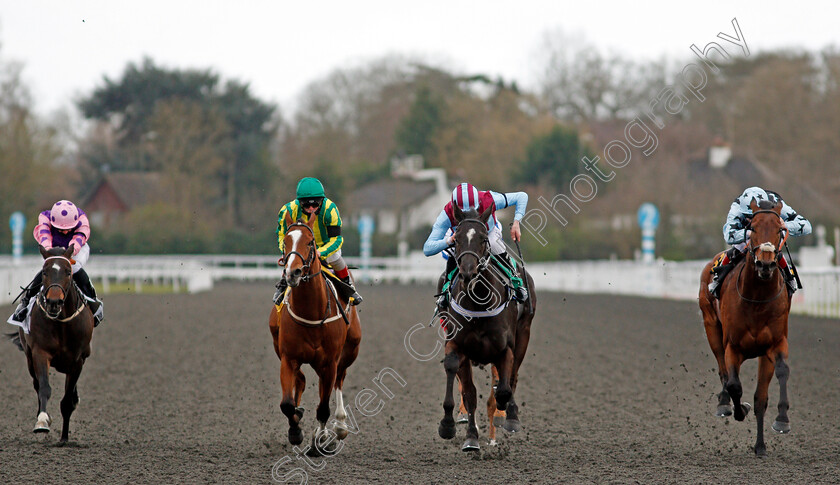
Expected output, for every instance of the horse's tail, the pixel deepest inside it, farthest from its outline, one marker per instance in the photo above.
(14, 338)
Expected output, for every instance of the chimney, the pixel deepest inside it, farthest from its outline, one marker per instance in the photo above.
(719, 153)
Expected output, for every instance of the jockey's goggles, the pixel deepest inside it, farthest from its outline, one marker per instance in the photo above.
(314, 202)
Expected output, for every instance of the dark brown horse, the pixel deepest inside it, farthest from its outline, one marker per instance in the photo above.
(312, 326)
(484, 326)
(751, 321)
(61, 326)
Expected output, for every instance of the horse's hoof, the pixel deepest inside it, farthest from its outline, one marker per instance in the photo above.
(513, 425)
(295, 436)
(781, 427)
(446, 430)
(43, 423)
(498, 421)
(760, 451)
(724, 410)
(462, 418)
(341, 432)
(492, 442)
(313, 451)
(299, 412)
(471, 444)
(746, 407)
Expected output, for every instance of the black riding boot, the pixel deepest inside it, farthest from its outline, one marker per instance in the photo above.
(281, 290)
(83, 280)
(353, 297)
(29, 292)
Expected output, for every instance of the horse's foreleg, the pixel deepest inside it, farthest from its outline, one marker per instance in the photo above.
(714, 334)
(300, 386)
(491, 407)
(462, 410)
(451, 363)
(70, 399)
(504, 393)
(468, 394)
(782, 423)
(765, 375)
(41, 368)
(322, 443)
(733, 383)
(288, 373)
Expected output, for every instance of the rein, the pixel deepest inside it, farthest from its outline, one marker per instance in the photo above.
(331, 294)
(749, 300)
(42, 296)
(483, 263)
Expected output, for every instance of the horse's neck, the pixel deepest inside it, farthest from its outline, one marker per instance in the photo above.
(757, 289)
(480, 298)
(309, 298)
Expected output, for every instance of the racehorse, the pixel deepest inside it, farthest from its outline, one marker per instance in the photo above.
(60, 329)
(751, 320)
(483, 328)
(312, 326)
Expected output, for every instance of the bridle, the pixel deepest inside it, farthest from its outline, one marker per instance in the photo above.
(767, 246)
(308, 260)
(41, 299)
(483, 260)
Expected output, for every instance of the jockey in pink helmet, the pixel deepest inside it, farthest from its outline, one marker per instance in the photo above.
(467, 198)
(63, 225)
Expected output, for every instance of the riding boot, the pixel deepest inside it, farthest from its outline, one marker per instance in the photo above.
(790, 279)
(29, 292)
(353, 297)
(520, 292)
(281, 291)
(83, 281)
(720, 271)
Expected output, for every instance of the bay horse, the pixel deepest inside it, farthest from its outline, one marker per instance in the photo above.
(312, 326)
(751, 321)
(482, 328)
(60, 330)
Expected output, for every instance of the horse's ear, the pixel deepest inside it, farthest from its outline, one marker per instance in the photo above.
(44, 252)
(778, 207)
(486, 214)
(69, 252)
(287, 219)
(754, 205)
(459, 214)
(311, 222)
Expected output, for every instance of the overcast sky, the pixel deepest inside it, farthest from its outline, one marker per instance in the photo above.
(280, 46)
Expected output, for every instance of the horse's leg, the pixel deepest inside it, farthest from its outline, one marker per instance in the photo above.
(714, 334)
(462, 410)
(782, 423)
(468, 394)
(288, 377)
(326, 381)
(70, 399)
(504, 393)
(492, 412)
(523, 335)
(41, 367)
(765, 375)
(451, 364)
(498, 416)
(348, 355)
(733, 383)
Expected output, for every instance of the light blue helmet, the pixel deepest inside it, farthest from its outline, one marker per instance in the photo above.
(753, 193)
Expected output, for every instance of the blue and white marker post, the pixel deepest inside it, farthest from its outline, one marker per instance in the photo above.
(366, 226)
(17, 223)
(648, 220)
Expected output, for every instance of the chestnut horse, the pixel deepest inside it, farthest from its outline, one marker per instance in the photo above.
(483, 326)
(60, 330)
(312, 326)
(751, 320)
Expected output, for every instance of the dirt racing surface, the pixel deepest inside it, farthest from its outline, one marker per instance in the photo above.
(185, 389)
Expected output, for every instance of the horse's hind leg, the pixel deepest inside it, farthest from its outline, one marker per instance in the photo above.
(714, 334)
(765, 375)
(496, 417)
(41, 369)
(322, 443)
(348, 355)
(288, 377)
(451, 364)
(504, 393)
(70, 400)
(782, 423)
(468, 394)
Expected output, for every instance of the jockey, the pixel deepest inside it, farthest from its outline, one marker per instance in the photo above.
(310, 202)
(61, 226)
(736, 232)
(468, 198)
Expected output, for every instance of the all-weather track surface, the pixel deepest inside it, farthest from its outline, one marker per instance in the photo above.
(186, 389)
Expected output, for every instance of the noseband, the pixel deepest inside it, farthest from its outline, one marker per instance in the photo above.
(483, 260)
(309, 260)
(42, 295)
(767, 246)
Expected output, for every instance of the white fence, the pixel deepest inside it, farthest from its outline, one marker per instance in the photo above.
(662, 279)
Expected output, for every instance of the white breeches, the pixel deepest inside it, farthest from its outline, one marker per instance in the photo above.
(81, 258)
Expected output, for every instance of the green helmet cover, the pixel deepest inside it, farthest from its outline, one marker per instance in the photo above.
(309, 187)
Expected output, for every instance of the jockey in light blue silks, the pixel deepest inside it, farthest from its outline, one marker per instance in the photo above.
(736, 232)
(468, 198)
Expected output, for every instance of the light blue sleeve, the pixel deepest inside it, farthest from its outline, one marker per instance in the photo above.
(795, 223)
(519, 199)
(436, 241)
(733, 230)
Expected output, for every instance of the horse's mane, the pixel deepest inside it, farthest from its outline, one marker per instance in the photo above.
(766, 204)
(56, 251)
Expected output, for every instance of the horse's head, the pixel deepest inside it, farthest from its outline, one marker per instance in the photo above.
(472, 242)
(768, 235)
(300, 249)
(57, 274)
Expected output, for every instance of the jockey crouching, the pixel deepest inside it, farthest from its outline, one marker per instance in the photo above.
(469, 198)
(736, 231)
(311, 201)
(64, 225)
